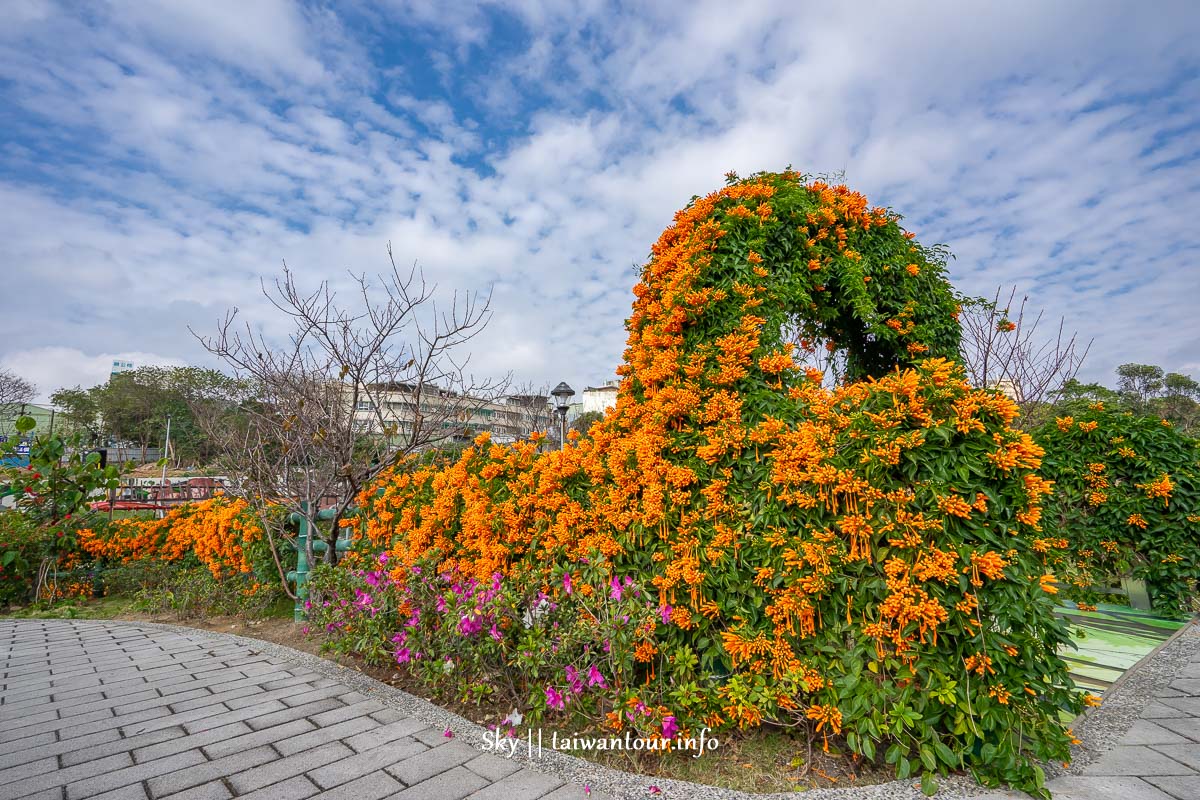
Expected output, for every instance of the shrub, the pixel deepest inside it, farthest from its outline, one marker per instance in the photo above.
(865, 561)
(1127, 498)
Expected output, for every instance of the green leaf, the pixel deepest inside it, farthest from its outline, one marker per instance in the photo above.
(928, 758)
(25, 424)
(929, 786)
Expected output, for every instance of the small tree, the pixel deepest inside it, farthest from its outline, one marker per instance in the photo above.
(15, 392)
(353, 391)
(1002, 349)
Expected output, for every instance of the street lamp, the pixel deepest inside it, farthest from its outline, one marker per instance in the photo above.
(562, 401)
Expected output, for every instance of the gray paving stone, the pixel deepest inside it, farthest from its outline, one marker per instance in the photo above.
(524, 784)
(375, 786)
(63, 725)
(132, 792)
(352, 711)
(424, 766)
(1104, 788)
(1188, 705)
(296, 788)
(386, 715)
(285, 714)
(1180, 788)
(213, 790)
(206, 771)
(356, 766)
(452, 785)
(1136, 760)
(20, 745)
(51, 747)
(203, 721)
(251, 738)
(288, 767)
(1143, 731)
(28, 769)
(1189, 686)
(99, 782)
(340, 730)
(492, 766)
(10, 791)
(1184, 726)
(151, 751)
(384, 734)
(1158, 709)
(80, 755)
(1186, 754)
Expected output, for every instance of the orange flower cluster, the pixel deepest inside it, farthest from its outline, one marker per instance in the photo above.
(216, 531)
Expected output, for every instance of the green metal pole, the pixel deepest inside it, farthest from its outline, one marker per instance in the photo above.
(300, 575)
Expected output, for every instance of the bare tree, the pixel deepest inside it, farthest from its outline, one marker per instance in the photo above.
(530, 410)
(15, 393)
(15, 390)
(1002, 349)
(354, 390)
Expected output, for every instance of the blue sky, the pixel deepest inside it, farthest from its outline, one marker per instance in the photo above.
(159, 156)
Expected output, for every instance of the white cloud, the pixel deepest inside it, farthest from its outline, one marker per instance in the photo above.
(155, 180)
(53, 368)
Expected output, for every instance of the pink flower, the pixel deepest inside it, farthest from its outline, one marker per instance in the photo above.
(567, 582)
(665, 611)
(594, 678)
(655, 790)
(669, 728)
(449, 734)
(615, 594)
(573, 680)
(554, 699)
(383, 558)
(495, 633)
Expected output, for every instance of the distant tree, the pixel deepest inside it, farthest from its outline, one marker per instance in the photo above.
(1143, 389)
(79, 411)
(132, 408)
(15, 392)
(1140, 385)
(583, 423)
(1002, 349)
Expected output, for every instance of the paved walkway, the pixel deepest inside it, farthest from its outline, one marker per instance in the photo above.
(97, 710)
(90, 709)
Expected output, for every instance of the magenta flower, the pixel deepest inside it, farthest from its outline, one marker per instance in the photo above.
(594, 678)
(495, 633)
(669, 728)
(665, 611)
(554, 699)
(567, 582)
(449, 734)
(383, 558)
(403, 655)
(573, 680)
(615, 594)
(441, 604)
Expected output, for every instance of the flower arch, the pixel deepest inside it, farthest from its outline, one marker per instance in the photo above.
(832, 556)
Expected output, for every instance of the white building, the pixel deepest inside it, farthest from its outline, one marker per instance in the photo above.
(600, 398)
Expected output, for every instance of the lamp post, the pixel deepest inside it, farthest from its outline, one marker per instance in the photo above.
(562, 401)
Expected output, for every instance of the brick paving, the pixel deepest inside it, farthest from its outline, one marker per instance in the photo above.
(1157, 758)
(118, 712)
